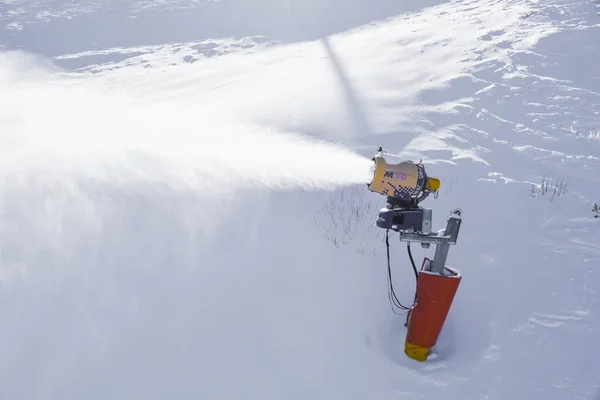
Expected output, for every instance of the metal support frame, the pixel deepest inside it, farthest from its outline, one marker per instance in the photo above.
(442, 239)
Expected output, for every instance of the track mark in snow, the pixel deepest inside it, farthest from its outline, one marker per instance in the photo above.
(557, 320)
(530, 147)
(492, 353)
(525, 148)
(490, 35)
(499, 175)
(157, 56)
(594, 248)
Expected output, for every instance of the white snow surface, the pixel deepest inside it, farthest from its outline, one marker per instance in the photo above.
(184, 211)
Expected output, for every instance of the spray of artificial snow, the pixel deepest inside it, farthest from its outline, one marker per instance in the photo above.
(55, 129)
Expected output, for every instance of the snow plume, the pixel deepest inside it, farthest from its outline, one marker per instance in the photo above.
(118, 260)
(59, 130)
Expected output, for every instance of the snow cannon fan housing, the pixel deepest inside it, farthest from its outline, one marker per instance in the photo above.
(405, 184)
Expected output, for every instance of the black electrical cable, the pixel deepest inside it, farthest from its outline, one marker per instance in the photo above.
(412, 261)
(391, 293)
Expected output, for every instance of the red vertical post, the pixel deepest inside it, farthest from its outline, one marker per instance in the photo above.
(435, 294)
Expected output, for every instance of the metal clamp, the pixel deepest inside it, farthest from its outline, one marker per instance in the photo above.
(442, 240)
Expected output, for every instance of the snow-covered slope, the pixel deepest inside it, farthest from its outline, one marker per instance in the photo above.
(186, 216)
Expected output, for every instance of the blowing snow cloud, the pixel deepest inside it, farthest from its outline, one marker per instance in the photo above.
(54, 127)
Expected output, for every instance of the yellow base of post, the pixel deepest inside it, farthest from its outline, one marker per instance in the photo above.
(416, 352)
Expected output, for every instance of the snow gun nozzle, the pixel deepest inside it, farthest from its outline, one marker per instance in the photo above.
(405, 184)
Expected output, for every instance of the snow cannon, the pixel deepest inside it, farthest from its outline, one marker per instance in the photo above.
(406, 185)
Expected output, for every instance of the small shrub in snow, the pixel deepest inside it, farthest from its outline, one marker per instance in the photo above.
(347, 216)
(591, 134)
(551, 188)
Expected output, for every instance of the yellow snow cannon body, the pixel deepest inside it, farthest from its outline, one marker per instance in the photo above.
(405, 184)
